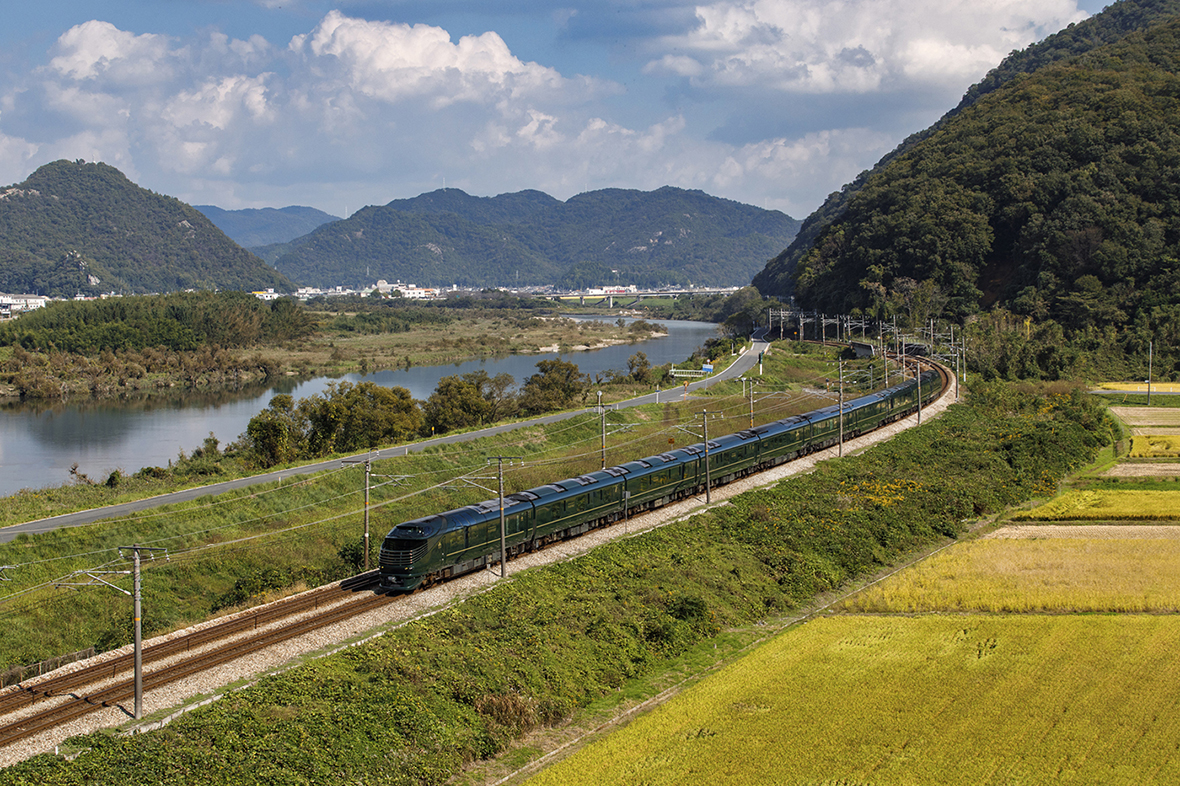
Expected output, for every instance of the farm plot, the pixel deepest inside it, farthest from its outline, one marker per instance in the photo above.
(928, 700)
(1155, 446)
(1147, 416)
(1041, 569)
(1107, 505)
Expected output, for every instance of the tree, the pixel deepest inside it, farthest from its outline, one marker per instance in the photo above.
(639, 368)
(359, 417)
(558, 384)
(455, 403)
(276, 435)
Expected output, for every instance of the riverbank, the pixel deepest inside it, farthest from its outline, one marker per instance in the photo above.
(338, 348)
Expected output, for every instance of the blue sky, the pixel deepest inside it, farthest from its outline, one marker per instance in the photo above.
(256, 103)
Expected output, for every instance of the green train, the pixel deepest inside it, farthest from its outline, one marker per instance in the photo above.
(423, 551)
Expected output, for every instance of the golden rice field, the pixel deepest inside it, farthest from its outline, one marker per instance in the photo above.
(963, 699)
(1155, 446)
(1039, 574)
(1107, 505)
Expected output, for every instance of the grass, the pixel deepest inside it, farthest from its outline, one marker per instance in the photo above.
(273, 537)
(1050, 575)
(1106, 504)
(930, 700)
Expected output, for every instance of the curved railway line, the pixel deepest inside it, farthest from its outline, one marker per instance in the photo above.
(44, 703)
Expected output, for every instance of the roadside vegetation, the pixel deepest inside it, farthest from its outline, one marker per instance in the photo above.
(417, 704)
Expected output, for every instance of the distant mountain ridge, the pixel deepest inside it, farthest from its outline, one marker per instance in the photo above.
(83, 228)
(667, 236)
(265, 226)
(1114, 23)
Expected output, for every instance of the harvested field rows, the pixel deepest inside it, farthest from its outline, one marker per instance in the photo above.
(1147, 416)
(1152, 470)
(928, 700)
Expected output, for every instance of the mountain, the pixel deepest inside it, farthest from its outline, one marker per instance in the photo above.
(265, 226)
(1114, 23)
(74, 227)
(1055, 196)
(667, 236)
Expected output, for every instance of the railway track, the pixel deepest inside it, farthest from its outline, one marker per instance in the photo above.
(190, 654)
(111, 682)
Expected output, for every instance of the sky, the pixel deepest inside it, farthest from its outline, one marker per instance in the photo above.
(269, 103)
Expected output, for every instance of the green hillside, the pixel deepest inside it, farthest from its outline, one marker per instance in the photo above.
(1115, 22)
(668, 236)
(266, 226)
(74, 227)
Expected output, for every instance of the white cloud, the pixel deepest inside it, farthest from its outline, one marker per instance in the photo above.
(393, 62)
(826, 46)
(95, 49)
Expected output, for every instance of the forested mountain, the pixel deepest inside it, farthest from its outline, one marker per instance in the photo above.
(266, 226)
(1114, 23)
(668, 236)
(75, 227)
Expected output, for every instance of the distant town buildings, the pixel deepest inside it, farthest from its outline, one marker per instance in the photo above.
(14, 305)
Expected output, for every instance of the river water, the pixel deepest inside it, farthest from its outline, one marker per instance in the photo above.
(40, 442)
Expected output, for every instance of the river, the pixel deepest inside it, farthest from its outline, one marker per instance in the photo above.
(40, 442)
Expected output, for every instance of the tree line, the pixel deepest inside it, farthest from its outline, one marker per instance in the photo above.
(354, 417)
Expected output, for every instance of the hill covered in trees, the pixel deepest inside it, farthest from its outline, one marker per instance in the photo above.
(266, 226)
(74, 227)
(1052, 201)
(668, 236)
(1112, 25)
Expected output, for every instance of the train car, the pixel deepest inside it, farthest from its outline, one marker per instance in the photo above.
(419, 552)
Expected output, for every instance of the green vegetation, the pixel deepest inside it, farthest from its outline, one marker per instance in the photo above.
(184, 321)
(1046, 202)
(74, 227)
(1114, 23)
(614, 236)
(416, 704)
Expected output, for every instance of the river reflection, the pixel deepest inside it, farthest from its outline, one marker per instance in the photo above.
(40, 441)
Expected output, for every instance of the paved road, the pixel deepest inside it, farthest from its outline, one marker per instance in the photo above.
(744, 363)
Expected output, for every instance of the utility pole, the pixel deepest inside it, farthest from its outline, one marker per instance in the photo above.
(918, 377)
(1150, 347)
(368, 462)
(137, 607)
(752, 381)
(705, 435)
(708, 476)
(840, 451)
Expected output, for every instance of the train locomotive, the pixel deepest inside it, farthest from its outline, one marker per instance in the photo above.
(423, 551)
